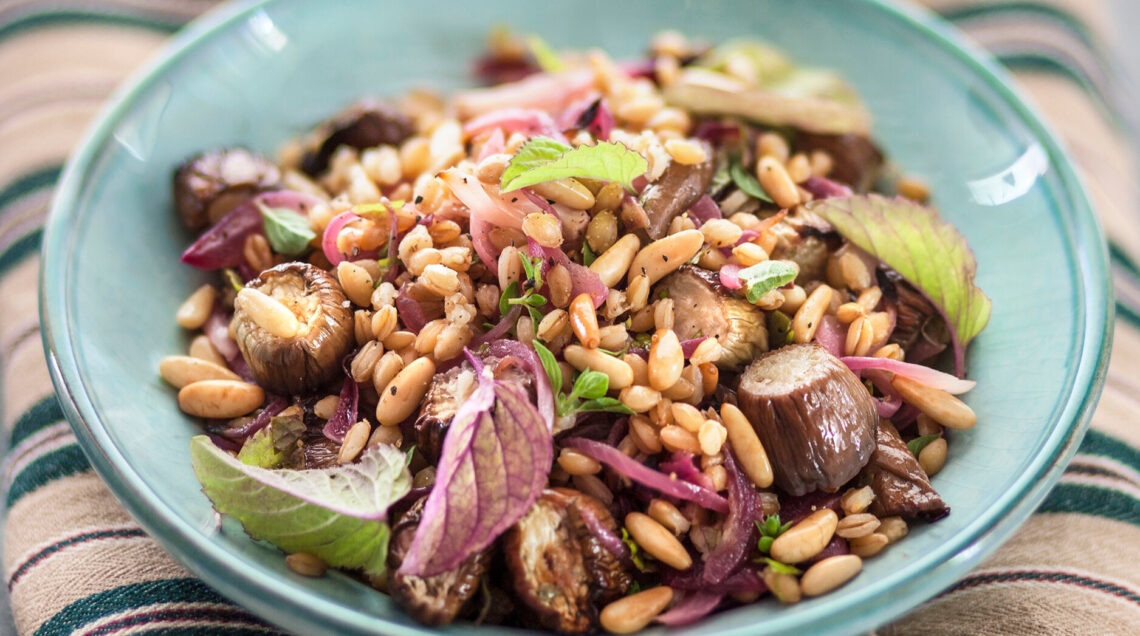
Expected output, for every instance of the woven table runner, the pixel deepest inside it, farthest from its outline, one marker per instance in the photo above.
(76, 562)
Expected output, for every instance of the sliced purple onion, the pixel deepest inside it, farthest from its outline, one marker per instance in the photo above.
(739, 532)
(691, 608)
(746, 579)
(582, 279)
(704, 210)
(345, 414)
(222, 245)
(823, 188)
(682, 464)
(925, 375)
(499, 330)
(605, 536)
(689, 346)
(831, 336)
(730, 276)
(275, 405)
(409, 310)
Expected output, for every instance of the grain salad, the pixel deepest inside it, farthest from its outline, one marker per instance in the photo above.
(596, 345)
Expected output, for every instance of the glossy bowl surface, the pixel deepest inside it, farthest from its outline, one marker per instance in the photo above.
(256, 74)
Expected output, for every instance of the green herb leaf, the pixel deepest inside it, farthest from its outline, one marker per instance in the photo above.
(527, 265)
(259, 451)
(779, 330)
(765, 276)
(591, 385)
(634, 550)
(765, 544)
(606, 161)
(286, 430)
(535, 317)
(337, 513)
(547, 59)
(288, 231)
(604, 405)
(232, 277)
(408, 455)
(928, 252)
(781, 568)
(509, 294)
(917, 444)
(746, 181)
(588, 255)
(536, 301)
(550, 364)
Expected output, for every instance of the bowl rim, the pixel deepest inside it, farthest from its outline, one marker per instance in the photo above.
(260, 592)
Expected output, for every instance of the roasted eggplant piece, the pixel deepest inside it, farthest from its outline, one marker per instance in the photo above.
(561, 571)
(815, 418)
(209, 185)
(855, 159)
(675, 191)
(364, 125)
(301, 363)
(807, 240)
(901, 486)
(433, 600)
(704, 307)
(919, 329)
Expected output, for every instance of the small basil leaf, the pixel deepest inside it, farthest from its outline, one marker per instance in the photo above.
(917, 444)
(747, 182)
(591, 384)
(510, 293)
(604, 405)
(288, 231)
(550, 364)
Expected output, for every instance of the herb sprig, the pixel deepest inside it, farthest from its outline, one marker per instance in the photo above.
(588, 395)
(529, 297)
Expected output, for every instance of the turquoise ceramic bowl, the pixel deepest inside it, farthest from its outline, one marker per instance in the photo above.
(258, 74)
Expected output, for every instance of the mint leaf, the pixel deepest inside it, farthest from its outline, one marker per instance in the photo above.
(917, 444)
(547, 59)
(781, 568)
(604, 405)
(928, 252)
(337, 514)
(765, 276)
(746, 181)
(288, 231)
(606, 161)
(591, 385)
(550, 365)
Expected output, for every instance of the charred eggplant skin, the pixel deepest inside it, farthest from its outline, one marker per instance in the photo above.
(900, 485)
(675, 191)
(560, 571)
(814, 417)
(434, 600)
(303, 363)
(208, 185)
(704, 307)
(363, 125)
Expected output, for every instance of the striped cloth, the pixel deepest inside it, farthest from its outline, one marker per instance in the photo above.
(75, 562)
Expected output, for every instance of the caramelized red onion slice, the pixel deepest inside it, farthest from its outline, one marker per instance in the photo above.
(930, 377)
(690, 609)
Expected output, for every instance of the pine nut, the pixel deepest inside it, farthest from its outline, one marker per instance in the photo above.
(354, 441)
(356, 283)
(399, 340)
(639, 367)
(575, 463)
(383, 322)
(711, 436)
(510, 267)
(821, 163)
(848, 312)
(196, 309)
(770, 144)
(807, 538)
(365, 361)
(632, 613)
(869, 298)
(553, 325)
(490, 170)
(267, 313)
(389, 435)
(183, 370)
(859, 336)
(869, 545)
(664, 256)
(666, 359)
(710, 377)
(913, 189)
(856, 500)
(403, 394)
(613, 337)
(220, 399)
(749, 451)
(807, 317)
(776, 182)
(644, 435)
(203, 349)
(669, 516)
(721, 233)
(584, 320)
(640, 110)
(686, 151)
(581, 358)
(658, 541)
(707, 351)
(683, 390)
(830, 573)
(637, 292)
(609, 198)
(933, 457)
(663, 313)
(893, 528)
(559, 282)
(544, 228)
(676, 438)
(856, 526)
(748, 254)
(593, 487)
(612, 265)
(306, 564)
(799, 167)
(639, 398)
(784, 587)
(854, 271)
(257, 252)
(937, 404)
(326, 406)
(687, 417)
(927, 426)
(719, 477)
(794, 298)
(569, 192)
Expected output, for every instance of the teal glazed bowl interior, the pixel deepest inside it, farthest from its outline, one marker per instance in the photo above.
(256, 75)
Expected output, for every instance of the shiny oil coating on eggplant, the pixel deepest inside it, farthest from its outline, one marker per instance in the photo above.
(814, 417)
(296, 365)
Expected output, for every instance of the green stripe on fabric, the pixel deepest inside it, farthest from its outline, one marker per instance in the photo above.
(61, 462)
(128, 597)
(1031, 61)
(1037, 9)
(1093, 501)
(42, 415)
(1103, 445)
(25, 185)
(71, 16)
(1128, 314)
(20, 249)
(1122, 258)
